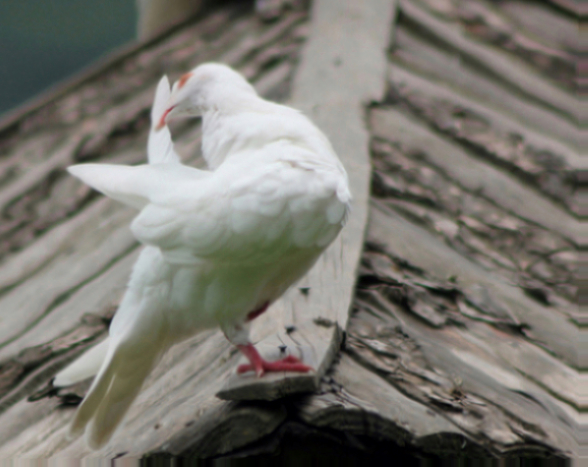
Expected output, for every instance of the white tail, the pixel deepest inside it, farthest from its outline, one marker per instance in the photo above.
(115, 388)
(138, 337)
(84, 367)
(129, 185)
(135, 185)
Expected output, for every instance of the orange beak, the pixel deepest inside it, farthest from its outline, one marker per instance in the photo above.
(162, 123)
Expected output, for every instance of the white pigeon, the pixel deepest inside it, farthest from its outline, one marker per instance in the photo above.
(222, 244)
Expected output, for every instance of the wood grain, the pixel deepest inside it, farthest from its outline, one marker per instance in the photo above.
(461, 335)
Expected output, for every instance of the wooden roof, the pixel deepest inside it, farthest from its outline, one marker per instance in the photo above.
(461, 334)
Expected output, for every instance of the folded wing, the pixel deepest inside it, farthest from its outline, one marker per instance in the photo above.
(258, 215)
(237, 213)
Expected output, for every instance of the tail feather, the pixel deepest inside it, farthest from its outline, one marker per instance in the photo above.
(129, 185)
(86, 366)
(136, 185)
(113, 391)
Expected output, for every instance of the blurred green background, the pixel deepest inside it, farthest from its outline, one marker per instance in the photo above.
(45, 41)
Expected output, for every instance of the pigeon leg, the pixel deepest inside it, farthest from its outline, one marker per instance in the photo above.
(261, 366)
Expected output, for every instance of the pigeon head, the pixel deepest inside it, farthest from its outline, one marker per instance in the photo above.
(208, 86)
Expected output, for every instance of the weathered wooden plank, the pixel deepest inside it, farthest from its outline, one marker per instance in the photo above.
(490, 379)
(441, 85)
(474, 410)
(438, 64)
(23, 264)
(153, 416)
(361, 402)
(503, 68)
(477, 99)
(454, 368)
(534, 363)
(524, 254)
(575, 7)
(557, 31)
(528, 31)
(347, 46)
(90, 298)
(428, 253)
(475, 175)
(90, 256)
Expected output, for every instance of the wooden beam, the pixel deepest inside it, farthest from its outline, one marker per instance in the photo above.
(342, 69)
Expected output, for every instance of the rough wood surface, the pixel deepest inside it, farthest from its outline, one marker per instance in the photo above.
(465, 335)
(466, 299)
(499, 78)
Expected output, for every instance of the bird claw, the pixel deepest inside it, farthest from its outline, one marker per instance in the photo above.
(289, 363)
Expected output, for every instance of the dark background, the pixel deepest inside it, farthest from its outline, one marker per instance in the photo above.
(45, 41)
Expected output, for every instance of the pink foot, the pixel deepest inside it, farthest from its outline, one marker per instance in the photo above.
(261, 366)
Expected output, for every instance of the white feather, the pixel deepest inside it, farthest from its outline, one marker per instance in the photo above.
(220, 243)
(138, 186)
(160, 148)
(84, 367)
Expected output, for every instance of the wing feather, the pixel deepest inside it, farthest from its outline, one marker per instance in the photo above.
(239, 215)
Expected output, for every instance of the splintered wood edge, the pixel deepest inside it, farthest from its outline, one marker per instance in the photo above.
(276, 385)
(342, 69)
